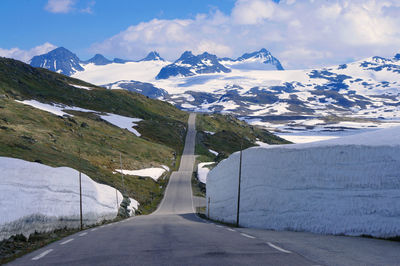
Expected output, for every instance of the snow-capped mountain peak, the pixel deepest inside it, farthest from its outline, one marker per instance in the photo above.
(58, 60)
(153, 56)
(259, 60)
(99, 60)
(189, 64)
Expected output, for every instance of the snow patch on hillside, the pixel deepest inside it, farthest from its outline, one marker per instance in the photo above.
(349, 185)
(202, 171)
(36, 197)
(153, 172)
(82, 87)
(120, 121)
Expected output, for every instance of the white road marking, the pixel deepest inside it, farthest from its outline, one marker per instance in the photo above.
(67, 241)
(230, 229)
(94, 229)
(83, 234)
(278, 248)
(246, 235)
(41, 255)
(219, 226)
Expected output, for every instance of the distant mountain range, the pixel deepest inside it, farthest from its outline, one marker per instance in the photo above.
(253, 86)
(65, 62)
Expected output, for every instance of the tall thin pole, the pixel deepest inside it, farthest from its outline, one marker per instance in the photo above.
(208, 208)
(80, 189)
(240, 177)
(116, 195)
(122, 173)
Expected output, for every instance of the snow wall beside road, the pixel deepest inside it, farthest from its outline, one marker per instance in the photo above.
(37, 197)
(330, 187)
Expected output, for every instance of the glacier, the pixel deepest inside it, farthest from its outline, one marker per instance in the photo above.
(37, 197)
(344, 186)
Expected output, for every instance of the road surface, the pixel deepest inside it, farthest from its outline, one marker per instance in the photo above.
(174, 235)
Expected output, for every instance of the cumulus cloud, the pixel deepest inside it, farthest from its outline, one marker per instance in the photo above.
(301, 34)
(59, 6)
(26, 55)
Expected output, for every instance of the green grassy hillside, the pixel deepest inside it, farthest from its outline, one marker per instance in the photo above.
(34, 135)
(226, 134)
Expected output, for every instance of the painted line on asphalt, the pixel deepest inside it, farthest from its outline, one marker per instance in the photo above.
(41, 255)
(94, 229)
(220, 226)
(246, 235)
(67, 241)
(278, 248)
(230, 229)
(83, 234)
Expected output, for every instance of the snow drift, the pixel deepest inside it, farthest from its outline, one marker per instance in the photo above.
(36, 197)
(345, 186)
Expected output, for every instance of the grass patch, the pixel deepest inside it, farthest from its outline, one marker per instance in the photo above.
(229, 135)
(198, 188)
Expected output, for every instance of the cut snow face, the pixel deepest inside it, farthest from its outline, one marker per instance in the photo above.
(349, 186)
(154, 173)
(58, 109)
(202, 171)
(36, 197)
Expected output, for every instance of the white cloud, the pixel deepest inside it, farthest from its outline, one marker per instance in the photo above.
(59, 6)
(252, 11)
(26, 55)
(67, 6)
(301, 34)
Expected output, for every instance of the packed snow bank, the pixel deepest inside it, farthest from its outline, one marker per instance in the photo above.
(36, 197)
(120, 121)
(202, 171)
(349, 185)
(154, 172)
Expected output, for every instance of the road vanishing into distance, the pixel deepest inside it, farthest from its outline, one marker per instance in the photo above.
(174, 235)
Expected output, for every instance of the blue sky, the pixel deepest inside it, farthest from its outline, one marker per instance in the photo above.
(300, 33)
(27, 23)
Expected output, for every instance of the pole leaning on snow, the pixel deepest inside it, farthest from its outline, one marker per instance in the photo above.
(240, 177)
(80, 189)
(122, 173)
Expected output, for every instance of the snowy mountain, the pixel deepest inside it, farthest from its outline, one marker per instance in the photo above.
(190, 65)
(153, 56)
(363, 94)
(98, 60)
(58, 60)
(260, 60)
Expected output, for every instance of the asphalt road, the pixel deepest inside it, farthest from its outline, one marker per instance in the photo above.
(174, 235)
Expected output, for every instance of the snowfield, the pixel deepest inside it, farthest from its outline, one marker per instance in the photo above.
(349, 186)
(36, 197)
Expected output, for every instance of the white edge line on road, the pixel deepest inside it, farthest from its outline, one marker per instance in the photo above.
(230, 229)
(83, 234)
(94, 229)
(67, 241)
(220, 226)
(246, 235)
(278, 248)
(41, 255)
